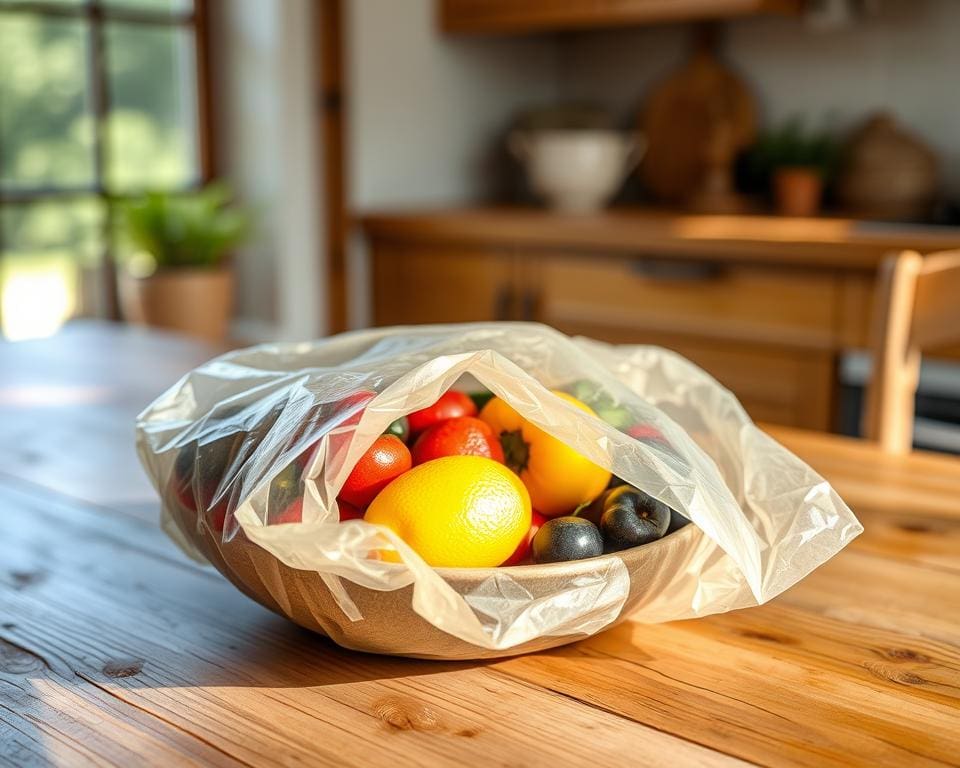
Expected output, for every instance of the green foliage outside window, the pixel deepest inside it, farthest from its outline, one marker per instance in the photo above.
(49, 142)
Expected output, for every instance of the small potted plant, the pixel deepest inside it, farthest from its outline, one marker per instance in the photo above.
(179, 276)
(797, 164)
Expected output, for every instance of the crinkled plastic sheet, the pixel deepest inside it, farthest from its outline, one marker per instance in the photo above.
(765, 518)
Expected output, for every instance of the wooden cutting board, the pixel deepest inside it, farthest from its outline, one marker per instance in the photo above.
(701, 115)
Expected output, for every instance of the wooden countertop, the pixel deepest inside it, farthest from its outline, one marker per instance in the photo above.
(114, 648)
(833, 242)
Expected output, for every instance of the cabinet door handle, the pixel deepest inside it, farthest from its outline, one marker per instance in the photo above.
(671, 270)
(528, 307)
(503, 303)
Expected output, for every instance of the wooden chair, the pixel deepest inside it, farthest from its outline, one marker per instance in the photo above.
(917, 307)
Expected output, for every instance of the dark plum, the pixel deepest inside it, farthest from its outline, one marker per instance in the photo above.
(677, 521)
(632, 517)
(566, 538)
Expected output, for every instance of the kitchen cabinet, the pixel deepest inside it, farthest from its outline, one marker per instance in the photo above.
(446, 285)
(766, 305)
(510, 16)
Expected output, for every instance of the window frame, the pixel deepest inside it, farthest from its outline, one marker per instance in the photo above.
(97, 14)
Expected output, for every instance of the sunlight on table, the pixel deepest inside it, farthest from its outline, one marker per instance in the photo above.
(36, 300)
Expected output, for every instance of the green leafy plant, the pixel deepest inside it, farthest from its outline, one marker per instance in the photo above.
(793, 146)
(190, 229)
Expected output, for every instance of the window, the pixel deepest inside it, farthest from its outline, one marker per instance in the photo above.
(99, 100)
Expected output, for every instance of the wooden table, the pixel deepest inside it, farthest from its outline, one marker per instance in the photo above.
(115, 649)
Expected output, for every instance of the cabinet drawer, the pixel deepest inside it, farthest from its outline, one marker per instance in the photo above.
(738, 302)
(793, 387)
(441, 285)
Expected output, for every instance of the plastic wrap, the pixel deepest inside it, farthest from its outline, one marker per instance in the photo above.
(217, 446)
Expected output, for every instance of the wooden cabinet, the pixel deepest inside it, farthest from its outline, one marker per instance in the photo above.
(443, 285)
(522, 16)
(764, 335)
(766, 305)
(747, 302)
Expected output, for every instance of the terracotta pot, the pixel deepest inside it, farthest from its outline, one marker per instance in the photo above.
(197, 302)
(797, 191)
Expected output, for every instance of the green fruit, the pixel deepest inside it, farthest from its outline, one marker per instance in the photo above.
(400, 428)
(618, 418)
(286, 486)
(593, 394)
(480, 399)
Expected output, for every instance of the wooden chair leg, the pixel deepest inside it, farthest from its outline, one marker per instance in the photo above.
(889, 411)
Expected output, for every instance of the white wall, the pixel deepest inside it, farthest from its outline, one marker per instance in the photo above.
(905, 59)
(426, 111)
(263, 95)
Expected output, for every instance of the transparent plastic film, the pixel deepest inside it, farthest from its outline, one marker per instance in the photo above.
(220, 445)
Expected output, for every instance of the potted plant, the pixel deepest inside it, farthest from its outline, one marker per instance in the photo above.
(797, 165)
(179, 276)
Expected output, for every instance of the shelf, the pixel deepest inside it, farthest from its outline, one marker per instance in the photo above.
(824, 242)
(531, 16)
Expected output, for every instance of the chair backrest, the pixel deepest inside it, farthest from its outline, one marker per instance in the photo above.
(917, 307)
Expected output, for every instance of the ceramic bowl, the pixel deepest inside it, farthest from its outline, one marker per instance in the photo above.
(576, 171)
(391, 626)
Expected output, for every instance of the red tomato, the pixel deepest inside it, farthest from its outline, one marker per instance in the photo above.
(522, 552)
(451, 405)
(339, 439)
(349, 512)
(292, 514)
(464, 436)
(216, 515)
(386, 459)
(645, 432)
(362, 397)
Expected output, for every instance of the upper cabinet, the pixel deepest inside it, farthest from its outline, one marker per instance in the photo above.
(513, 16)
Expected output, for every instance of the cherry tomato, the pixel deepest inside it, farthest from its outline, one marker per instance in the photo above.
(522, 551)
(386, 459)
(199, 470)
(645, 432)
(451, 405)
(349, 512)
(292, 514)
(337, 416)
(463, 436)
(362, 397)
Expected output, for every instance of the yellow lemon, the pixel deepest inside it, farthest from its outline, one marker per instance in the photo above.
(456, 511)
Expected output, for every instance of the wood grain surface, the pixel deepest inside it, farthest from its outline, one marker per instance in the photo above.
(117, 650)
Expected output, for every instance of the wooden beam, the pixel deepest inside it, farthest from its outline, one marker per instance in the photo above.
(332, 141)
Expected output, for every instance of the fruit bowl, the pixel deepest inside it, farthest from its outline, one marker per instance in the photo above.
(391, 626)
(249, 437)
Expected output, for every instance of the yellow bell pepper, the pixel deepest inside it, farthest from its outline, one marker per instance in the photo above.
(557, 477)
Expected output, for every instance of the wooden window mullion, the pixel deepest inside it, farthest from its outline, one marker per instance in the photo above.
(100, 97)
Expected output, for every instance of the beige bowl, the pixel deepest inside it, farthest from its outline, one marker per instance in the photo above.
(391, 626)
(576, 171)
